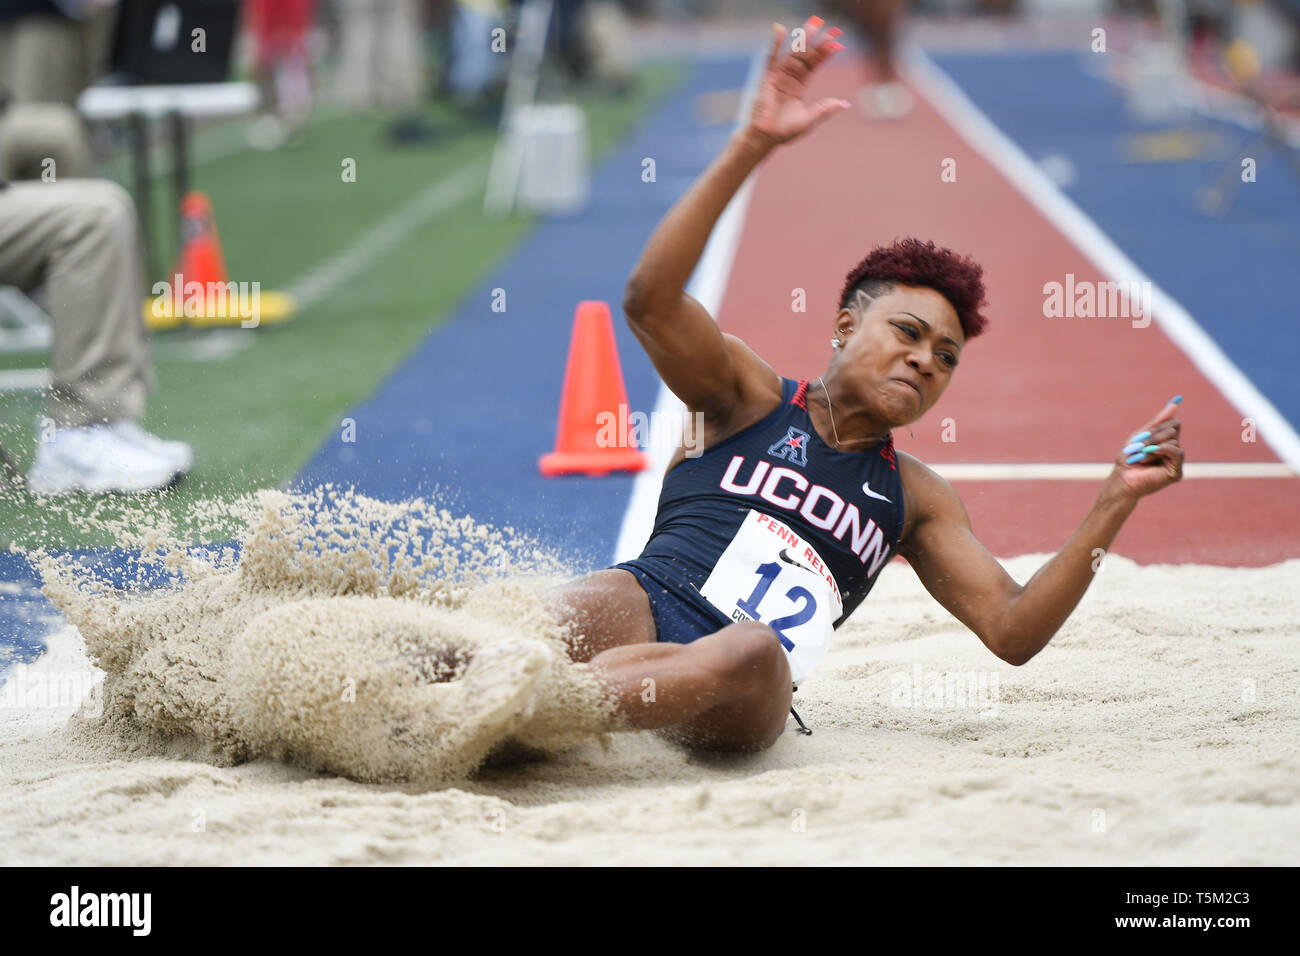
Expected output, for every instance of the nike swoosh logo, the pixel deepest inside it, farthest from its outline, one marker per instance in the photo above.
(866, 490)
(784, 556)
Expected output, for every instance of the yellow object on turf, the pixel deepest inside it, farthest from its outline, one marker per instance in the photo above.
(264, 308)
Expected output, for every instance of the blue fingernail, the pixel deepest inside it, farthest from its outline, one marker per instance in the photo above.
(1130, 449)
(1150, 448)
(1176, 400)
(1134, 459)
(1140, 436)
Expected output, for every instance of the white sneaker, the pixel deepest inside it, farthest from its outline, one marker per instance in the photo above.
(95, 459)
(884, 101)
(178, 453)
(266, 133)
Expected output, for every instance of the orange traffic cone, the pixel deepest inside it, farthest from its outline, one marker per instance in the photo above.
(201, 267)
(200, 292)
(201, 259)
(593, 436)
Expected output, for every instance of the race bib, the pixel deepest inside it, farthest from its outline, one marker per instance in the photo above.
(770, 573)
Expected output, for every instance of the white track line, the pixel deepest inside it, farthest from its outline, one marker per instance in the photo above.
(1024, 174)
(708, 283)
(437, 198)
(1089, 471)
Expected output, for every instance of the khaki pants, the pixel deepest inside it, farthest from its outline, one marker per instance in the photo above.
(79, 240)
(381, 61)
(45, 141)
(46, 58)
(45, 63)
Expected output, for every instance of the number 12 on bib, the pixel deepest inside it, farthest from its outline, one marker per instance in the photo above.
(771, 575)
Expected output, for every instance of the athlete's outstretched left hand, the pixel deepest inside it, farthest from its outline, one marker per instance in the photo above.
(779, 113)
(1153, 457)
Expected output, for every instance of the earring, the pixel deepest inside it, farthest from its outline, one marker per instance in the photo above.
(835, 343)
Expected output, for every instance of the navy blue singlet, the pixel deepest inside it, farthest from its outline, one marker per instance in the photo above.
(847, 505)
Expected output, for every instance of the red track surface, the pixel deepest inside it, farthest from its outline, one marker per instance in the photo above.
(1031, 389)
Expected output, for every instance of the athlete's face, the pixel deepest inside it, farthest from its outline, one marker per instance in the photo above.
(911, 333)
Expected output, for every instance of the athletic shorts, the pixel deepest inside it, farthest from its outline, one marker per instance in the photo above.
(681, 614)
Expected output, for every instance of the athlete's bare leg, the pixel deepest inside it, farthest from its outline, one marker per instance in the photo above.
(726, 691)
(605, 609)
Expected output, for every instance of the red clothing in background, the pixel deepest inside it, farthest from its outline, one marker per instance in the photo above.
(280, 27)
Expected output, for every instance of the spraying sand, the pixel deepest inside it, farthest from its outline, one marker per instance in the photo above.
(313, 699)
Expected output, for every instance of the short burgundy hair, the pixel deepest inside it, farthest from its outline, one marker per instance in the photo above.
(959, 279)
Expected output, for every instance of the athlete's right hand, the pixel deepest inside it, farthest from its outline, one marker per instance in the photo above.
(779, 113)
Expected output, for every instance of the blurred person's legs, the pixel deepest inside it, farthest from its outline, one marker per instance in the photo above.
(877, 24)
(606, 34)
(46, 60)
(441, 19)
(475, 70)
(356, 51)
(50, 58)
(568, 37)
(404, 82)
(44, 141)
(401, 55)
(381, 54)
(565, 39)
(282, 30)
(79, 241)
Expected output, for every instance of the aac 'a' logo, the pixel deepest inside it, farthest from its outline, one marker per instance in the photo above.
(793, 447)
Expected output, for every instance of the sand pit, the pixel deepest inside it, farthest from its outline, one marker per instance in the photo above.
(1158, 728)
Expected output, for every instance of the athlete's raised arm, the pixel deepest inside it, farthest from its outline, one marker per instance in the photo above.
(704, 370)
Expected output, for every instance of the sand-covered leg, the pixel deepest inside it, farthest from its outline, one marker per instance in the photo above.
(332, 684)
